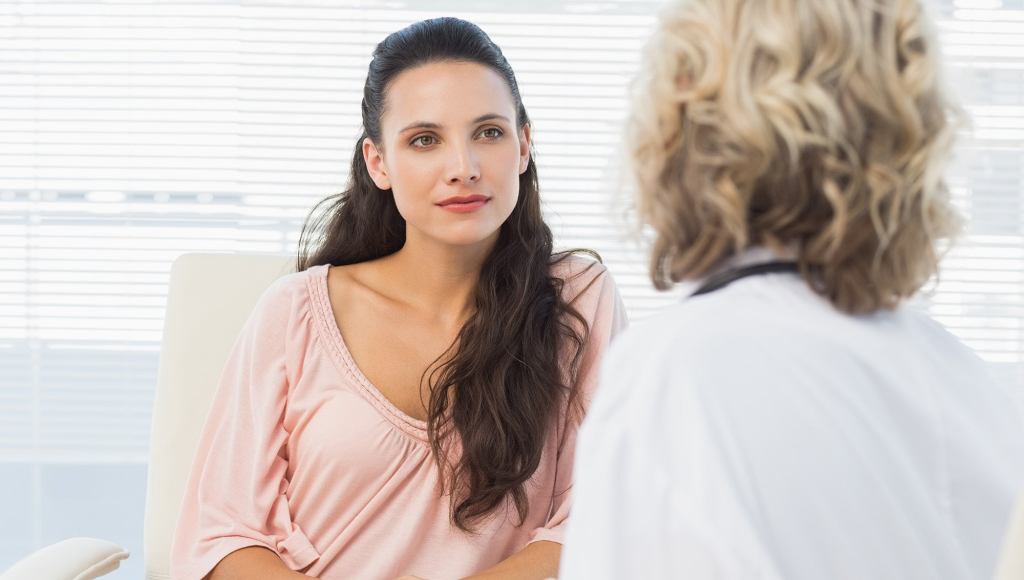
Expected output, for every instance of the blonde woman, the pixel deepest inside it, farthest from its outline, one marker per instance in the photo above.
(793, 417)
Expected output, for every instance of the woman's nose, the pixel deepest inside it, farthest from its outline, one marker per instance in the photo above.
(463, 165)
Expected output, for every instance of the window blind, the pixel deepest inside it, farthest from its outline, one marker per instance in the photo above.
(135, 132)
(980, 293)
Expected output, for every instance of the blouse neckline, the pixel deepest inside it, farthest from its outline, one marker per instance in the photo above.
(332, 337)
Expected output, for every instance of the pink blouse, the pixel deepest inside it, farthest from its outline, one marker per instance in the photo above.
(301, 454)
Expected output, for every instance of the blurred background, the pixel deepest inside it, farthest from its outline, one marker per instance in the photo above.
(132, 132)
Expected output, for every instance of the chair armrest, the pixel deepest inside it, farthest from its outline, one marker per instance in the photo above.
(71, 559)
(1011, 563)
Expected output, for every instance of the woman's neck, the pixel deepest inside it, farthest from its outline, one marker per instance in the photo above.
(435, 279)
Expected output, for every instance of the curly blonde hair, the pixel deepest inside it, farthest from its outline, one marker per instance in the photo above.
(819, 124)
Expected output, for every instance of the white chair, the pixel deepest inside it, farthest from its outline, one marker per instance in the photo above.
(209, 299)
(1011, 563)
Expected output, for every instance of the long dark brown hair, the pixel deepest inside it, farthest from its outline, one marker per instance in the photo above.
(501, 385)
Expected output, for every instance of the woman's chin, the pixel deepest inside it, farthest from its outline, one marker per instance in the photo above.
(469, 238)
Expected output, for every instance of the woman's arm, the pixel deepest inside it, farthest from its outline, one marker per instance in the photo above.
(600, 303)
(253, 563)
(233, 499)
(536, 561)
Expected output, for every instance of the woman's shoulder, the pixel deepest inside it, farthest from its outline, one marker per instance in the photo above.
(580, 274)
(292, 284)
(289, 296)
(588, 288)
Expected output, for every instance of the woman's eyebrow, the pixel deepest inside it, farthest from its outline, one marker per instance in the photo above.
(429, 125)
(420, 125)
(490, 117)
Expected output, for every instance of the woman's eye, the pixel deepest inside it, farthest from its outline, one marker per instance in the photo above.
(491, 133)
(423, 141)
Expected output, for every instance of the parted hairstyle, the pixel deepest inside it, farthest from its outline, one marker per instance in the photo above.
(503, 383)
(815, 124)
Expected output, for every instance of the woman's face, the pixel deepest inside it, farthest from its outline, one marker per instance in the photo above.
(452, 153)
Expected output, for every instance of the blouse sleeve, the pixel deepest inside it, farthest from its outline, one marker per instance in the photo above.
(235, 496)
(598, 301)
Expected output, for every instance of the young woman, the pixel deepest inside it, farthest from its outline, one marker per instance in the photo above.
(793, 418)
(406, 404)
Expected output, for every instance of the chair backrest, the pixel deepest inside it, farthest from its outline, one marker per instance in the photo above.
(1011, 562)
(210, 297)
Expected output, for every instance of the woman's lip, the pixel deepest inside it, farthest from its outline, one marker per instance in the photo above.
(465, 207)
(462, 199)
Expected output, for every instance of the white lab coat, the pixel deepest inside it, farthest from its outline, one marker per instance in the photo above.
(756, 432)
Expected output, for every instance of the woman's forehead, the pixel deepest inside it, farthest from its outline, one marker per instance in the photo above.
(446, 94)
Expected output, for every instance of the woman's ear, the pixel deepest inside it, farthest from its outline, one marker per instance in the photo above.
(375, 164)
(524, 149)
